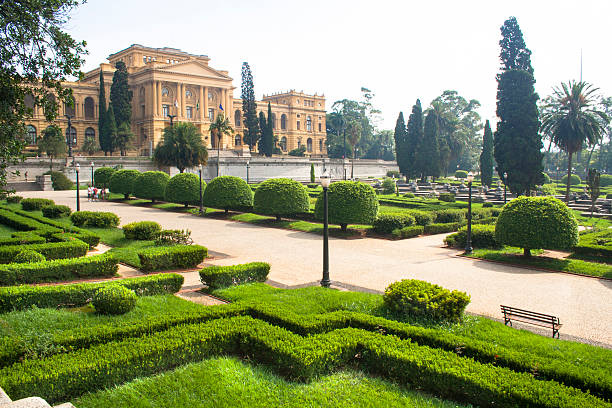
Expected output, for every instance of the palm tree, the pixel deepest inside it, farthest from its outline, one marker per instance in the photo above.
(574, 118)
(220, 127)
(353, 130)
(182, 147)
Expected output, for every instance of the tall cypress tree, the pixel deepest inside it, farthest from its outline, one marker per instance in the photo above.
(414, 135)
(428, 154)
(249, 108)
(269, 135)
(400, 144)
(486, 156)
(121, 96)
(261, 147)
(111, 128)
(517, 143)
(102, 127)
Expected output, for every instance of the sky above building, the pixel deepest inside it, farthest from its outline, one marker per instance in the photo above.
(400, 50)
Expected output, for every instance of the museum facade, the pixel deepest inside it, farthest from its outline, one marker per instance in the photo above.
(166, 84)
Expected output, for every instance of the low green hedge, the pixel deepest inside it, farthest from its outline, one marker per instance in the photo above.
(58, 270)
(218, 277)
(51, 250)
(23, 223)
(483, 236)
(447, 197)
(574, 180)
(23, 240)
(446, 216)
(441, 228)
(28, 256)
(142, 231)
(408, 232)
(172, 257)
(597, 244)
(422, 217)
(35, 204)
(78, 294)
(114, 300)
(91, 239)
(56, 211)
(14, 199)
(388, 222)
(97, 219)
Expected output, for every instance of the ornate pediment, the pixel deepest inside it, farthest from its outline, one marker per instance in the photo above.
(194, 68)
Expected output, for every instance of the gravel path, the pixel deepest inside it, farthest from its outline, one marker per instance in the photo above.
(582, 303)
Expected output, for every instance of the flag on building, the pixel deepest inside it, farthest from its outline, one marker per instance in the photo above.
(220, 107)
(198, 105)
(176, 103)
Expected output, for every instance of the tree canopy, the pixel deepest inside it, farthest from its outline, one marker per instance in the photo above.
(486, 156)
(120, 95)
(181, 147)
(52, 143)
(249, 107)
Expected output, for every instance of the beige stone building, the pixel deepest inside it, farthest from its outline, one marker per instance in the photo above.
(168, 82)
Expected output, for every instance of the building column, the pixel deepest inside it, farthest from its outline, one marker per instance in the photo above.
(159, 98)
(182, 100)
(152, 100)
(201, 103)
(206, 102)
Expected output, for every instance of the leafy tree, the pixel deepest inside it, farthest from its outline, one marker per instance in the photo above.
(219, 128)
(350, 202)
(35, 57)
(593, 178)
(514, 52)
(228, 193)
(298, 151)
(268, 135)
(110, 125)
(414, 135)
(103, 135)
(262, 131)
(184, 188)
(312, 173)
(574, 119)
(90, 146)
(486, 157)
(181, 147)
(428, 154)
(401, 146)
(120, 95)
(53, 144)
(249, 107)
(353, 132)
(124, 138)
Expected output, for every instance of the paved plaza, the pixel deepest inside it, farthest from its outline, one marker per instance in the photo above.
(582, 303)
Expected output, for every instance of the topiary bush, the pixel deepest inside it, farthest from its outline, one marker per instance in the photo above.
(574, 181)
(408, 195)
(537, 223)
(56, 211)
(142, 231)
(35, 204)
(14, 199)
(388, 186)
(441, 228)
(228, 193)
(59, 181)
(122, 182)
(349, 202)
(281, 197)
(413, 297)
(98, 219)
(219, 277)
(422, 217)
(483, 236)
(446, 216)
(447, 197)
(184, 188)
(28, 256)
(151, 185)
(114, 300)
(393, 173)
(102, 176)
(407, 232)
(461, 174)
(387, 223)
(605, 180)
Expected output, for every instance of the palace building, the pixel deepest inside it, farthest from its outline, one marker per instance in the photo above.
(167, 81)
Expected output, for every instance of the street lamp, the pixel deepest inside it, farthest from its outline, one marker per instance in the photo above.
(325, 181)
(92, 176)
(468, 242)
(201, 205)
(505, 183)
(247, 168)
(171, 119)
(69, 134)
(78, 167)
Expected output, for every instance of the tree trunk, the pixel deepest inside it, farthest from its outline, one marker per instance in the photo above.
(51, 163)
(586, 167)
(526, 252)
(569, 175)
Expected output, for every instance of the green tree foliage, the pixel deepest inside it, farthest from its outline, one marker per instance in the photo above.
(53, 144)
(537, 223)
(103, 136)
(103, 175)
(574, 118)
(184, 188)
(124, 139)
(414, 135)
(122, 182)
(228, 193)
(151, 185)
(353, 133)
(514, 53)
(428, 154)
(401, 146)
(262, 131)
(120, 95)
(486, 157)
(90, 146)
(593, 178)
(298, 151)
(249, 107)
(182, 147)
(35, 57)
(110, 128)
(312, 173)
(349, 202)
(281, 197)
(268, 135)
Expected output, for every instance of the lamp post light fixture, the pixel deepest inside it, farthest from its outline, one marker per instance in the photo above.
(172, 119)
(69, 134)
(468, 242)
(248, 165)
(505, 184)
(92, 173)
(77, 168)
(201, 203)
(325, 181)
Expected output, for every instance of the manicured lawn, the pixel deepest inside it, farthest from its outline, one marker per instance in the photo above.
(5, 232)
(125, 250)
(305, 226)
(229, 382)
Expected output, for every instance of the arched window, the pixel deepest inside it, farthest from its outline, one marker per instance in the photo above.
(283, 143)
(309, 124)
(237, 117)
(69, 108)
(284, 122)
(73, 138)
(188, 94)
(31, 136)
(165, 91)
(309, 145)
(29, 101)
(320, 145)
(238, 139)
(89, 108)
(90, 133)
(273, 121)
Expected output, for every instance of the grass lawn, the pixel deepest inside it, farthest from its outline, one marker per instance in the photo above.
(229, 382)
(125, 250)
(5, 232)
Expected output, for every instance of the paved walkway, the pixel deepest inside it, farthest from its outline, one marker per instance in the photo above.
(583, 304)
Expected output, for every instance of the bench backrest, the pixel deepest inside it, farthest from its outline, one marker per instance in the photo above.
(528, 314)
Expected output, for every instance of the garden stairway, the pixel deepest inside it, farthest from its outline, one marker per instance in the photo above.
(30, 402)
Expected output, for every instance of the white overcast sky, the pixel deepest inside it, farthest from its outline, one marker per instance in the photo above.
(401, 50)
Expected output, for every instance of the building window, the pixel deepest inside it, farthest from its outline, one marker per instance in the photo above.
(309, 124)
(189, 112)
(188, 93)
(320, 145)
(89, 108)
(238, 140)
(211, 114)
(142, 111)
(283, 144)
(165, 110)
(144, 60)
(31, 135)
(309, 145)
(29, 101)
(210, 96)
(237, 117)
(284, 122)
(69, 108)
(298, 125)
(319, 126)
(90, 133)
(273, 121)
(165, 91)
(72, 138)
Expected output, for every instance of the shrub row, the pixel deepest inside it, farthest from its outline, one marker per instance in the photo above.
(14, 199)
(441, 228)
(23, 223)
(172, 257)
(34, 204)
(65, 376)
(483, 236)
(143, 230)
(90, 239)
(57, 270)
(386, 223)
(598, 244)
(23, 239)
(97, 219)
(51, 250)
(114, 300)
(408, 232)
(56, 211)
(218, 277)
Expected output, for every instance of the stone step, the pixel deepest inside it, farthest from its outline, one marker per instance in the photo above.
(24, 186)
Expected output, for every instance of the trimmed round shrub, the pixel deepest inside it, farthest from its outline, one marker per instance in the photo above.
(605, 180)
(408, 195)
(122, 182)
(142, 231)
(487, 205)
(388, 186)
(545, 178)
(281, 197)
(56, 211)
(411, 297)
(537, 223)
(393, 173)
(574, 181)
(422, 217)
(102, 176)
(446, 216)
(59, 181)
(14, 199)
(349, 202)
(151, 185)
(114, 300)
(184, 188)
(28, 256)
(35, 204)
(228, 193)
(483, 236)
(98, 219)
(461, 174)
(386, 223)
(447, 197)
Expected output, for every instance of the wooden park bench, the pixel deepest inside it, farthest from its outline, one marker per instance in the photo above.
(527, 316)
